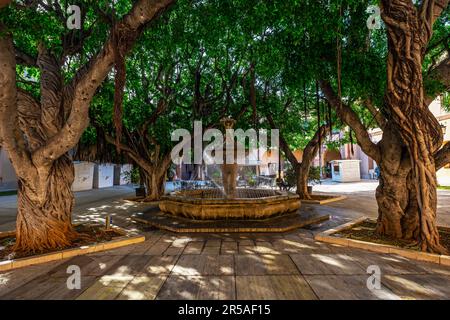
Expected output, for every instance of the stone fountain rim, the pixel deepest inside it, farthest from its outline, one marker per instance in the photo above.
(227, 201)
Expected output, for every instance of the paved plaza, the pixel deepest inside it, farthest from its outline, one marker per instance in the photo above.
(230, 266)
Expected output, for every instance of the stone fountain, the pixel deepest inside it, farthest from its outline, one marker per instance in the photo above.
(229, 202)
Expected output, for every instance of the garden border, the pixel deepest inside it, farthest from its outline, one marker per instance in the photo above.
(328, 236)
(120, 241)
(325, 201)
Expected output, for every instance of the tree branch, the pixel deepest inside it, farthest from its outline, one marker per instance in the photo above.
(429, 12)
(311, 149)
(442, 157)
(11, 136)
(349, 117)
(377, 115)
(140, 161)
(440, 73)
(283, 143)
(51, 86)
(89, 78)
(25, 59)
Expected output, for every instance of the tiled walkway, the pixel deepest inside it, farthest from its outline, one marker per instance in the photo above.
(257, 266)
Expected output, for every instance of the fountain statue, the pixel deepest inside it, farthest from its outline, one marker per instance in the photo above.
(230, 202)
(229, 171)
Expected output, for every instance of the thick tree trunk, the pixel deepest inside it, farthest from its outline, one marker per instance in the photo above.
(309, 153)
(408, 33)
(302, 181)
(44, 210)
(39, 135)
(154, 183)
(398, 214)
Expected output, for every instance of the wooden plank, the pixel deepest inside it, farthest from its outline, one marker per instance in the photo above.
(90, 265)
(159, 247)
(213, 243)
(211, 250)
(229, 247)
(14, 279)
(265, 247)
(129, 266)
(265, 265)
(204, 265)
(106, 288)
(346, 287)
(158, 265)
(58, 289)
(418, 286)
(283, 287)
(248, 249)
(389, 264)
(174, 250)
(198, 287)
(194, 247)
(246, 242)
(142, 288)
(141, 248)
(327, 264)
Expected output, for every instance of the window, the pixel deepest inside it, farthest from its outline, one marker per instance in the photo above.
(336, 168)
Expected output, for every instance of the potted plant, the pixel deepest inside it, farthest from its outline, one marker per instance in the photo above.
(313, 178)
(134, 177)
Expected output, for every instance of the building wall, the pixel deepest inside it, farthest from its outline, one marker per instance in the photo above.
(103, 176)
(84, 173)
(346, 170)
(441, 115)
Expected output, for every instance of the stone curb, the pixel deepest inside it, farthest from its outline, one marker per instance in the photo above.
(325, 201)
(121, 241)
(327, 236)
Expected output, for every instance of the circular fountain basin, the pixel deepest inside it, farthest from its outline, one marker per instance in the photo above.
(210, 204)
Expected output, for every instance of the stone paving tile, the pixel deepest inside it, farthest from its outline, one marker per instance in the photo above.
(346, 287)
(285, 287)
(204, 265)
(264, 265)
(198, 287)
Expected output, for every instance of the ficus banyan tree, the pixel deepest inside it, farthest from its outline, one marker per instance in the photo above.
(38, 134)
(410, 151)
(252, 60)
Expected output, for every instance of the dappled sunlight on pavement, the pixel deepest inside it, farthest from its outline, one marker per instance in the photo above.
(231, 266)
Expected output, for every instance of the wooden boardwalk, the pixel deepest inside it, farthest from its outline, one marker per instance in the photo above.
(234, 266)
